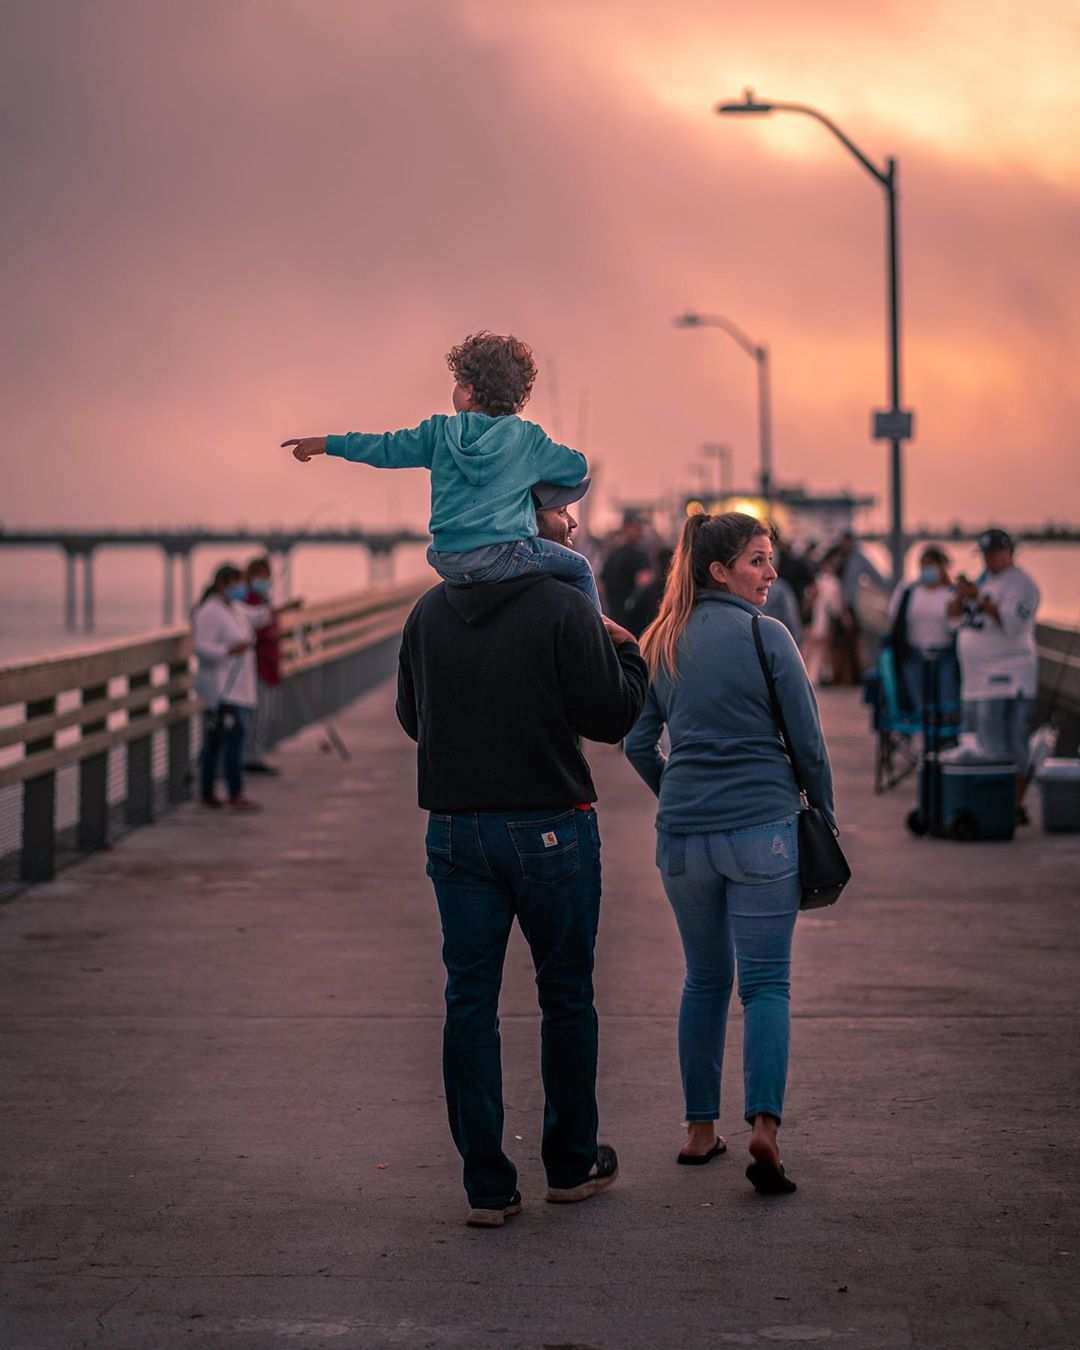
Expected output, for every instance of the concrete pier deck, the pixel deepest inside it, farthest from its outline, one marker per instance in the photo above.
(223, 1126)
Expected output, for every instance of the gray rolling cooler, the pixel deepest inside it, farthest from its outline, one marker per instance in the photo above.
(962, 794)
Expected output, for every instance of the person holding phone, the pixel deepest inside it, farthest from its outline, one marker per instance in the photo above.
(223, 632)
(994, 617)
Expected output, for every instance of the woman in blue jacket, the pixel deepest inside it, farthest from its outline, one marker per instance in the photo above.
(727, 845)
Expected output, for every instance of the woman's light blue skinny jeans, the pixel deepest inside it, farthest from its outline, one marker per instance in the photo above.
(736, 897)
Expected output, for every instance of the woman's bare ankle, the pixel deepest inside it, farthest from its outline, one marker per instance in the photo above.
(764, 1146)
(700, 1136)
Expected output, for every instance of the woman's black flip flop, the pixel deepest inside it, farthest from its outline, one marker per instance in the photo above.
(769, 1179)
(700, 1159)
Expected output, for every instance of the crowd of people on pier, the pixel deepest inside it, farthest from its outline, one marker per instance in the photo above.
(975, 635)
(815, 594)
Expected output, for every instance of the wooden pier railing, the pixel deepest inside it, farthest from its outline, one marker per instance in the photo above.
(99, 741)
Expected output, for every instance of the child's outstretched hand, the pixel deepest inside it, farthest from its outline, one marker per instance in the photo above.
(306, 446)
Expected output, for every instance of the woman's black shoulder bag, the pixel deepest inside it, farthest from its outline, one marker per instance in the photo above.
(823, 869)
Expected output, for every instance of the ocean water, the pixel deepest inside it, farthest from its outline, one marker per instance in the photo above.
(129, 587)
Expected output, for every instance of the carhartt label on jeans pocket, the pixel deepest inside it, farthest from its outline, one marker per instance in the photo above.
(779, 847)
(550, 839)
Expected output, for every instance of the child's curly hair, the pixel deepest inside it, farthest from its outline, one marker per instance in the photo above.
(500, 370)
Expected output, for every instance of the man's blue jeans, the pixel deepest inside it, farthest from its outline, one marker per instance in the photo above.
(542, 868)
(736, 898)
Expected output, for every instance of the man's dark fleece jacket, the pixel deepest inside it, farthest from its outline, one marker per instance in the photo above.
(497, 681)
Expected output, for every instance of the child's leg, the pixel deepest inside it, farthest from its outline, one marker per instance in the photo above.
(487, 563)
(505, 562)
(562, 562)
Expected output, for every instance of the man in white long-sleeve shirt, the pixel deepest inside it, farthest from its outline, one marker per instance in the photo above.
(999, 663)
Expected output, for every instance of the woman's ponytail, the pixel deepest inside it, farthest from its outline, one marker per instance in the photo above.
(659, 640)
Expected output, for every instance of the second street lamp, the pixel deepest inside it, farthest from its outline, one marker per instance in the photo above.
(760, 354)
(723, 456)
(894, 425)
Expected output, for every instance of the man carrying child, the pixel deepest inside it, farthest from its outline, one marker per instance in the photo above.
(502, 670)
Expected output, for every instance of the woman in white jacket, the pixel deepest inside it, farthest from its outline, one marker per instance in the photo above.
(827, 600)
(223, 628)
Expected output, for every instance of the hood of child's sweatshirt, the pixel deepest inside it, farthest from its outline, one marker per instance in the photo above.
(479, 443)
(478, 603)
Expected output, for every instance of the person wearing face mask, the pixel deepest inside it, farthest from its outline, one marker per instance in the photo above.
(258, 596)
(727, 842)
(919, 627)
(223, 632)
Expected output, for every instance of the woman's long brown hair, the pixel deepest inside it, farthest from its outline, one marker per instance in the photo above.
(704, 540)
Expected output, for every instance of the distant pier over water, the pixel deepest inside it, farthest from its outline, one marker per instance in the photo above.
(177, 546)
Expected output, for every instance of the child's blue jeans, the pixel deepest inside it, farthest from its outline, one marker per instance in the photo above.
(736, 898)
(518, 558)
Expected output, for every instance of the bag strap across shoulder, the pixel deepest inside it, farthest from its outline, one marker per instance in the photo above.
(774, 702)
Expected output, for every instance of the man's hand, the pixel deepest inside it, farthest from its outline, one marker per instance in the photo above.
(965, 589)
(306, 446)
(616, 632)
(988, 605)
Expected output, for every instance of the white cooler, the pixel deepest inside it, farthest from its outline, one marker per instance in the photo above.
(1059, 787)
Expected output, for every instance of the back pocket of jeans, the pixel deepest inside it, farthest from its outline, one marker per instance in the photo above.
(440, 861)
(547, 850)
(766, 854)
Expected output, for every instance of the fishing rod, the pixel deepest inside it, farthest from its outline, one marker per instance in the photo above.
(308, 713)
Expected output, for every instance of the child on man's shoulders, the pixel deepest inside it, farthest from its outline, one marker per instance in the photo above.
(484, 461)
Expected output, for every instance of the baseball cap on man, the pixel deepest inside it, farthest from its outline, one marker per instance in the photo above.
(549, 496)
(994, 538)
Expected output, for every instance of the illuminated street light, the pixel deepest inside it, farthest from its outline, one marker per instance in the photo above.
(895, 424)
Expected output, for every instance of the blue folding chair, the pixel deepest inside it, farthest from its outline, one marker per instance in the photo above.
(896, 727)
(896, 757)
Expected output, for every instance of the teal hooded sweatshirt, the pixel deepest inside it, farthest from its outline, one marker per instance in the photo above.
(482, 471)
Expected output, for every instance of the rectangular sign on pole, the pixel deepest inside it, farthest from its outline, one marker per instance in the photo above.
(894, 426)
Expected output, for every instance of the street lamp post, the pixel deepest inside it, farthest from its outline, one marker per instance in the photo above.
(722, 455)
(760, 356)
(895, 425)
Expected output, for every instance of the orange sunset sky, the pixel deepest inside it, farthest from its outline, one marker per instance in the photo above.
(227, 222)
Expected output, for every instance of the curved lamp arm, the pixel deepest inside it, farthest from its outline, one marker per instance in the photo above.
(752, 105)
(694, 320)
